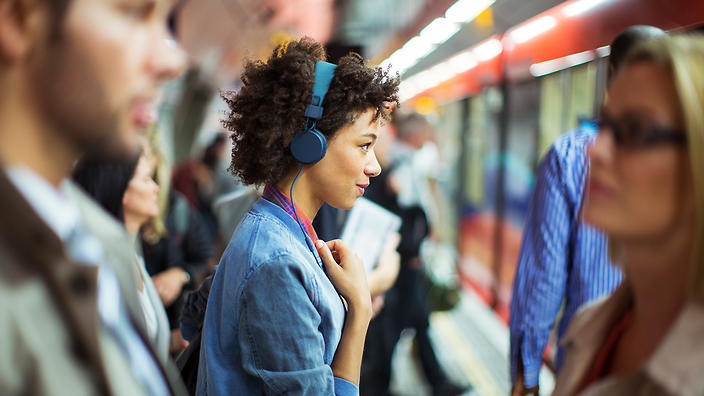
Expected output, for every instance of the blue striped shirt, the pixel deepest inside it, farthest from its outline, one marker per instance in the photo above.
(561, 260)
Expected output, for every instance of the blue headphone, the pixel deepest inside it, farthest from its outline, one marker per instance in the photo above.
(309, 145)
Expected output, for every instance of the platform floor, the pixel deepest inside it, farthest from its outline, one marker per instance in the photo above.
(472, 345)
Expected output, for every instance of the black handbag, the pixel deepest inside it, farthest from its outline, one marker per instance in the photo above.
(187, 363)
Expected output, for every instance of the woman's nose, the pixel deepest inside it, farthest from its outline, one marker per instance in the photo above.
(373, 168)
(155, 187)
(600, 151)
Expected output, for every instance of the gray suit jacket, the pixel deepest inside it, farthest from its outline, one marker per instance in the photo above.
(51, 337)
(121, 255)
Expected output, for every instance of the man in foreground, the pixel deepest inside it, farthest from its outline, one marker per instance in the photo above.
(78, 77)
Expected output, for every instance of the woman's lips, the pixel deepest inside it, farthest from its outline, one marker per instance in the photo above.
(361, 188)
(597, 189)
(144, 113)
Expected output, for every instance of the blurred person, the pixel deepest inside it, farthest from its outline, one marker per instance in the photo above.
(78, 77)
(196, 179)
(562, 260)
(231, 208)
(275, 322)
(126, 190)
(414, 157)
(406, 303)
(176, 246)
(644, 190)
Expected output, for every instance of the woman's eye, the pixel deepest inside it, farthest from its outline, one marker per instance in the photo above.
(141, 11)
(366, 146)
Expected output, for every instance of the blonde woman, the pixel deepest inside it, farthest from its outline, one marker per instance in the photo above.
(176, 244)
(646, 191)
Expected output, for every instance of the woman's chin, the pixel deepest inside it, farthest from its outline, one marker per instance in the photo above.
(346, 205)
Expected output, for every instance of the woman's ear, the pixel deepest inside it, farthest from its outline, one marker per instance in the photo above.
(22, 24)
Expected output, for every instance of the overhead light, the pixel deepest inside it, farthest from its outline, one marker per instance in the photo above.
(462, 62)
(409, 88)
(406, 91)
(436, 75)
(579, 7)
(532, 29)
(554, 65)
(464, 11)
(401, 60)
(488, 50)
(425, 79)
(441, 73)
(418, 47)
(439, 30)
(407, 56)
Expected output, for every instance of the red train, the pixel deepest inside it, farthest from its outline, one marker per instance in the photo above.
(504, 100)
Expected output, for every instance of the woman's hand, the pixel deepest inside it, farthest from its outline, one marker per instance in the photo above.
(377, 305)
(177, 343)
(346, 272)
(169, 283)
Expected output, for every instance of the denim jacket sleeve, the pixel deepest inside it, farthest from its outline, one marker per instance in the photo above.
(279, 332)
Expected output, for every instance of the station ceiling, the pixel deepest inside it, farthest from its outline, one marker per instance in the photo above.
(221, 33)
(382, 26)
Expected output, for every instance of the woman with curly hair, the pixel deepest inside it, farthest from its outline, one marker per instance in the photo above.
(288, 313)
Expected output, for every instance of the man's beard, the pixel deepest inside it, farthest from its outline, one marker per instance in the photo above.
(75, 105)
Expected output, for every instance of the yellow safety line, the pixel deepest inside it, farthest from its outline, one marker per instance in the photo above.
(468, 361)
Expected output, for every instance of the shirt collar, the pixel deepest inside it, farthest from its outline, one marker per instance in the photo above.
(273, 194)
(676, 363)
(52, 205)
(678, 360)
(593, 322)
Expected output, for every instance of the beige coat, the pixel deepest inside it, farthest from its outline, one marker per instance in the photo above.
(114, 240)
(675, 368)
(51, 338)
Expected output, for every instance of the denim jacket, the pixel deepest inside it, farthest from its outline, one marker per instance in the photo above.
(273, 320)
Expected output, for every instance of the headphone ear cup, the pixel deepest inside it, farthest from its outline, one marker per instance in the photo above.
(309, 146)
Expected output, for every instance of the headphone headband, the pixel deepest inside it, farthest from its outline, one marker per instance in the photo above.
(309, 145)
(324, 73)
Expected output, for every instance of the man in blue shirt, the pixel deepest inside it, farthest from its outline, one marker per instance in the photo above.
(561, 258)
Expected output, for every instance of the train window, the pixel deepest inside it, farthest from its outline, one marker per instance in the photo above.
(520, 155)
(581, 95)
(449, 130)
(550, 124)
(566, 98)
(482, 144)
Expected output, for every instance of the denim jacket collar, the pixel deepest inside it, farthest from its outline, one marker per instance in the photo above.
(265, 206)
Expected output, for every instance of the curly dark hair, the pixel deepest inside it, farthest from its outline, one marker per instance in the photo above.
(269, 109)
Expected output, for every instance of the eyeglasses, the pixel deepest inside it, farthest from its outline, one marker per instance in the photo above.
(637, 132)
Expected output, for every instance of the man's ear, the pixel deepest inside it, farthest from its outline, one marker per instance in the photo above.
(21, 23)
